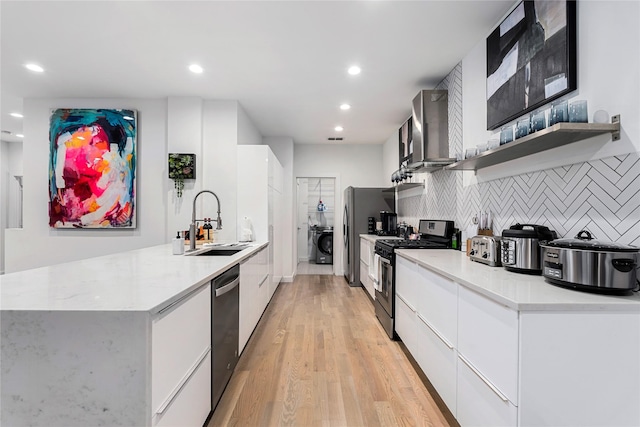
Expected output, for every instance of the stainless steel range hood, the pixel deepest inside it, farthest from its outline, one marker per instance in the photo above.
(430, 131)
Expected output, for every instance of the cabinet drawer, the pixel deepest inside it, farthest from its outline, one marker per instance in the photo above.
(192, 404)
(478, 404)
(365, 251)
(405, 324)
(407, 281)
(179, 337)
(438, 305)
(366, 281)
(488, 338)
(438, 361)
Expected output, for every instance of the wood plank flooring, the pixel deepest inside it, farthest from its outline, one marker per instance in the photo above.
(319, 357)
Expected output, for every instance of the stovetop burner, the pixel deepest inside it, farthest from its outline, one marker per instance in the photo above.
(412, 244)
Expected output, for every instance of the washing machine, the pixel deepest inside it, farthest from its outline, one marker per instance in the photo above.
(323, 245)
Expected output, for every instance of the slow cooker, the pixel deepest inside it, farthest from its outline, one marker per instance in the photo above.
(588, 264)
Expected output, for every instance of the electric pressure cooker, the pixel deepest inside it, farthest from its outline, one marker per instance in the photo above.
(588, 264)
(521, 252)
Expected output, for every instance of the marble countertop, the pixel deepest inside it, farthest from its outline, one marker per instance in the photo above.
(140, 280)
(518, 291)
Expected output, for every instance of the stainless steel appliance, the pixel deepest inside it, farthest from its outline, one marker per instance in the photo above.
(587, 264)
(435, 234)
(486, 249)
(359, 205)
(430, 131)
(389, 223)
(521, 252)
(224, 330)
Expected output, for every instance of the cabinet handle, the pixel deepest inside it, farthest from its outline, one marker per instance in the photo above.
(163, 407)
(264, 279)
(412, 308)
(482, 377)
(178, 301)
(435, 331)
(226, 288)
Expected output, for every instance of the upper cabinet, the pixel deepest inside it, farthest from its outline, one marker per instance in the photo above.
(555, 136)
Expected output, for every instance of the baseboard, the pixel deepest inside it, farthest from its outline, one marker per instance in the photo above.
(287, 279)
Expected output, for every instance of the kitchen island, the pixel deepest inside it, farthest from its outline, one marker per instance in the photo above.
(503, 348)
(111, 340)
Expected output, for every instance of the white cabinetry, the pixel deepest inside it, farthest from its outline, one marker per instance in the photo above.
(497, 366)
(260, 188)
(254, 294)
(181, 380)
(367, 253)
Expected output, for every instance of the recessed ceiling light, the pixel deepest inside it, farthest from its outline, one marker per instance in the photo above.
(16, 115)
(195, 68)
(345, 107)
(19, 135)
(34, 67)
(354, 70)
(338, 128)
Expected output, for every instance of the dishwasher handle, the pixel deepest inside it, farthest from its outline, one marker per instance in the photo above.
(228, 287)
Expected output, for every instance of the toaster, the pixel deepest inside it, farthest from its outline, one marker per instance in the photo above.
(486, 249)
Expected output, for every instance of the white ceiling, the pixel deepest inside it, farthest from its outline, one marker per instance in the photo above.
(285, 62)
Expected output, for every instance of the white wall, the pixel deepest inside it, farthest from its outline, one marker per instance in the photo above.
(351, 165)
(283, 148)
(184, 135)
(248, 134)
(4, 196)
(36, 244)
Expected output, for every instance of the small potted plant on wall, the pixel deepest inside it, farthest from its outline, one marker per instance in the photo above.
(181, 166)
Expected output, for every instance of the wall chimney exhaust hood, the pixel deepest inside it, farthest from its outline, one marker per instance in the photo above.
(430, 131)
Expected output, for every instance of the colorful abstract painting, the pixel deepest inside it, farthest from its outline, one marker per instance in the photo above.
(92, 168)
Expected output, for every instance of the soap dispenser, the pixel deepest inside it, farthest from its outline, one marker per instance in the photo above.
(178, 244)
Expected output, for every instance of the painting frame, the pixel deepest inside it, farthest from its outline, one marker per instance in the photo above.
(93, 168)
(531, 59)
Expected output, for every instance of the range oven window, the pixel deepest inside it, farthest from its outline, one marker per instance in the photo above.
(385, 271)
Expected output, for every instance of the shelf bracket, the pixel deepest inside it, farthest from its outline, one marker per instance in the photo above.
(615, 135)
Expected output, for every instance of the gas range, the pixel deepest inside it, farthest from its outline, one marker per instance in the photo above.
(385, 247)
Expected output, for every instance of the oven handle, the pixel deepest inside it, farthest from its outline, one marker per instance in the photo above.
(386, 261)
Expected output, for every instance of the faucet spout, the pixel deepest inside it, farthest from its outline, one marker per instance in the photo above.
(192, 226)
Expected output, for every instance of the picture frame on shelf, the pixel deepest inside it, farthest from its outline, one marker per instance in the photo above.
(531, 59)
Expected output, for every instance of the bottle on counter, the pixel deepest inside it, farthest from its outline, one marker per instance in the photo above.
(178, 244)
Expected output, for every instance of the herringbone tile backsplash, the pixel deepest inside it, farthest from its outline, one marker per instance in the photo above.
(602, 196)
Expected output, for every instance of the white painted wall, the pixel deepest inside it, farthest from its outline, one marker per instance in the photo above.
(607, 78)
(4, 196)
(36, 244)
(351, 165)
(248, 134)
(184, 135)
(283, 148)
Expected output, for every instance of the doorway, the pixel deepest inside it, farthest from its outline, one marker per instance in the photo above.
(316, 209)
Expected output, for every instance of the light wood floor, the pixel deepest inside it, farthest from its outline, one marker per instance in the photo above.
(319, 357)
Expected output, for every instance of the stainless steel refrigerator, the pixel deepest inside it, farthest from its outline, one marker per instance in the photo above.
(359, 205)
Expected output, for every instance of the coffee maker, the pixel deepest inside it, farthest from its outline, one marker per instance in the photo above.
(389, 223)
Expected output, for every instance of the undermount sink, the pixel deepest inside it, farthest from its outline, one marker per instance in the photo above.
(219, 252)
(224, 249)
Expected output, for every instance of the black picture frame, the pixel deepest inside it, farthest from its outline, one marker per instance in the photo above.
(531, 59)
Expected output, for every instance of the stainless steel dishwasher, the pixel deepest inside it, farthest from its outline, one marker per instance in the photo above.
(224, 330)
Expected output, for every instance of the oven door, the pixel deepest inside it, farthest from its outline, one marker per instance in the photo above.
(384, 293)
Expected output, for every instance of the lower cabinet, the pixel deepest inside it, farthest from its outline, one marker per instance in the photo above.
(437, 359)
(478, 403)
(181, 380)
(366, 260)
(254, 294)
(496, 366)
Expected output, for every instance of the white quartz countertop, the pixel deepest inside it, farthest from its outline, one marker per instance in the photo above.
(518, 291)
(140, 280)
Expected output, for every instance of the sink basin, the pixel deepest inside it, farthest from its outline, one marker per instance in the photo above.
(219, 252)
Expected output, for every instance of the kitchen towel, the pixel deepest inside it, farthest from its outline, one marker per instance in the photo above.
(375, 275)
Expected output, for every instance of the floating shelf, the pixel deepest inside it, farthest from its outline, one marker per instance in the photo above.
(555, 136)
(403, 187)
